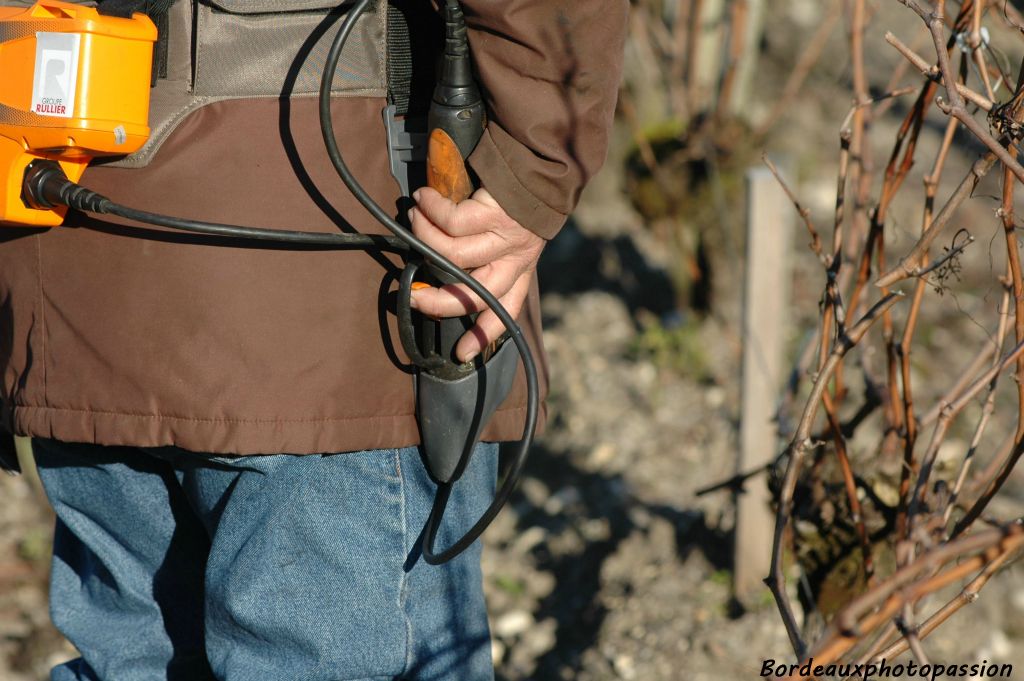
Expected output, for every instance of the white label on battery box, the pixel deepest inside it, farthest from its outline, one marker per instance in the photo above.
(56, 75)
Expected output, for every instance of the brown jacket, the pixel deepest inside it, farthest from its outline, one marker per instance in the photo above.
(115, 333)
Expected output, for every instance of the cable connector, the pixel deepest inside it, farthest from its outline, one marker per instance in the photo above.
(46, 187)
(455, 65)
(457, 106)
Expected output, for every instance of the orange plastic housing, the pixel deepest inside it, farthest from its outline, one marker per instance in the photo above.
(74, 85)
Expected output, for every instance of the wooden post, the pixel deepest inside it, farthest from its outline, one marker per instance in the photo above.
(708, 53)
(746, 69)
(766, 302)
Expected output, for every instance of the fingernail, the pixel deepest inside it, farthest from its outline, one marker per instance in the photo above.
(416, 195)
(468, 357)
(410, 213)
(412, 302)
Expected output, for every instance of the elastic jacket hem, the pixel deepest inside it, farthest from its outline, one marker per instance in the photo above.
(315, 435)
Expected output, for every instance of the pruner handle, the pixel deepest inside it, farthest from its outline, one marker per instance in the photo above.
(446, 169)
(432, 346)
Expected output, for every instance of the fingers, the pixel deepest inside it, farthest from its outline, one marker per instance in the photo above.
(456, 300)
(474, 215)
(488, 327)
(469, 251)
(475, 234)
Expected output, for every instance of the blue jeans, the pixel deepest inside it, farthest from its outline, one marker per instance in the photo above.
(172, 565)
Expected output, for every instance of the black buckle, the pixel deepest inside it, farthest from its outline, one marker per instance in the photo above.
(407, 148)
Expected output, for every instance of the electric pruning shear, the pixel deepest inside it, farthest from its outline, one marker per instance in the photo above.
(454, 400)
(43, 154)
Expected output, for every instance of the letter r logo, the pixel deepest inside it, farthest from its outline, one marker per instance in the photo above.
(56, 75)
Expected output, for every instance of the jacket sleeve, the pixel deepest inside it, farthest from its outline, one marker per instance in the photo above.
(550, 72)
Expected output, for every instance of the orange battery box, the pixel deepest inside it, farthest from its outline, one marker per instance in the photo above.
(74, 85)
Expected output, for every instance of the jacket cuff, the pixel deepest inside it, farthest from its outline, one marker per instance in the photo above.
(498, 178)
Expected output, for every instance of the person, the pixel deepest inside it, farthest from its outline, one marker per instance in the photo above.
(226, 430)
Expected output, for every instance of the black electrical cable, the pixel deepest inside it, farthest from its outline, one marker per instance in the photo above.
(336, 240)
(47, 186)
(445, 265)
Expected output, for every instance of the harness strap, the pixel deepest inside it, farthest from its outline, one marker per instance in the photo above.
(399, 60)
(157, 11)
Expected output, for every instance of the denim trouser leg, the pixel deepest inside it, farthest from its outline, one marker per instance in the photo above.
(127, 572)
(169, 565)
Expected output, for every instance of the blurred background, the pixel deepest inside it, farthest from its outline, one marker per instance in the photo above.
(618, 558)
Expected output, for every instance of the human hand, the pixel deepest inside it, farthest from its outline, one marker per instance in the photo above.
(478, 235)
